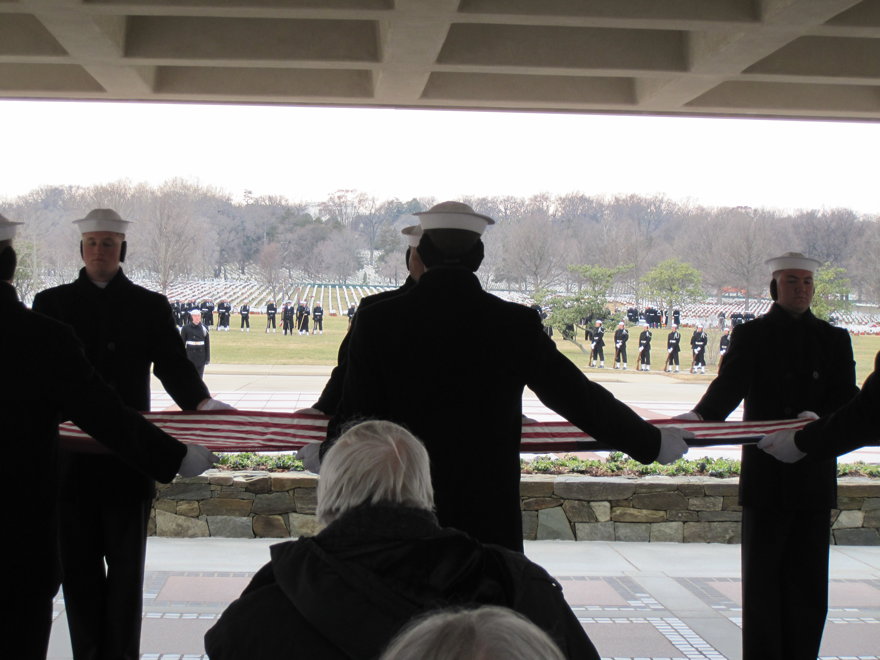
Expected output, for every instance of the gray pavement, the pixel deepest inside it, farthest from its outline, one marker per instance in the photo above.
(636, 600)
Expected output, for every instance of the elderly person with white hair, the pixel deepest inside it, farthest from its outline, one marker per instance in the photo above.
(381, 560)
(485, 633)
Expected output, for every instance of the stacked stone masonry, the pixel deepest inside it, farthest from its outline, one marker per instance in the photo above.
(572, 508)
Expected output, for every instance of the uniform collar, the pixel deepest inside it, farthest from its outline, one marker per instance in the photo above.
(119, 281)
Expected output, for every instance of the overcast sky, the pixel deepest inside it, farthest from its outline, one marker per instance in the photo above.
(306, 153)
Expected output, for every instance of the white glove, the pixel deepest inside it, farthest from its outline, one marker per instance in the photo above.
(669, 350)
(696, 350)
(691, 416)
(807, 414)
(197, 460)
(310, 411)
(593, 345)
(528, 420)
(672, 444)
(618, 344)
(213, 404)
(310, 455)
(780, 445)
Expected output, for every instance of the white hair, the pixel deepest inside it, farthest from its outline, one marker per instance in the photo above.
(374, 462)
(486, 633)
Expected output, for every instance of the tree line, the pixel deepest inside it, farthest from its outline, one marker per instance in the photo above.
(573, 244)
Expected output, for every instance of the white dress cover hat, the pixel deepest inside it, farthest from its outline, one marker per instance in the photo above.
(102, 220)
(413, 234)
(793, 261)
(7, 228)
(454, 215)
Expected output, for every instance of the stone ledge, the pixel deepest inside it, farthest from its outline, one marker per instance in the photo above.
(573, 507)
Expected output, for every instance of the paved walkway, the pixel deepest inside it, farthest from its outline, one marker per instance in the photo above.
(636, 600)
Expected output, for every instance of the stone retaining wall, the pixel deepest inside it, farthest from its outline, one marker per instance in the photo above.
(682, 509)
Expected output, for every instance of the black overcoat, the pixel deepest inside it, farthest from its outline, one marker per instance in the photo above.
(782, 366)
(461, 394)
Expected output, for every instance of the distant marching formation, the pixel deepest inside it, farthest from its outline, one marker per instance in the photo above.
(295, 317)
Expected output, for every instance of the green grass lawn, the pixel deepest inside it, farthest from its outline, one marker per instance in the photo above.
(257, 347)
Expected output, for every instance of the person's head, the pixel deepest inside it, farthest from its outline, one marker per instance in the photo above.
(451, 234)
(103, 243)
(726, 331)
(196, 316)
(486, 633)
(674, 327)
(621, 325)
(374, 462)
(792, 286)
(8, 257)
(647, 326)
(598, 323)
(699, 328)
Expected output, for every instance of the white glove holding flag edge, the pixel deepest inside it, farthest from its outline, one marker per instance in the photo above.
(197, 460)
(691, 416)
(781, 446)
(807, 414)
(310, 455)
(672, 444)
(207, 405)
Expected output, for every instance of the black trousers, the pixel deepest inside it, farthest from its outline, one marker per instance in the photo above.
(104, 605)
(620, 354)
(784, 582)
(270, 321)
(246, 321)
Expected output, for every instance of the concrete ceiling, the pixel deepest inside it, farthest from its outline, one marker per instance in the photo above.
(766, 58)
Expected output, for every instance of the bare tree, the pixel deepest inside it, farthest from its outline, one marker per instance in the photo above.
(173, 229)
(534, 256)
(269, 268)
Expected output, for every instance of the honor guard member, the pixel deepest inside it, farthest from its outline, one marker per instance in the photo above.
(699, 341)
(31, 405)
(464, 397)
(350, 313)
(245, 312)
(103, 538)
(224, 310)
(786, 364)
(723, 345)
(645, 348)
(318, 319)
(621, 336)
(197, 341)
(271, 311)
(597, 358)
(673, 346)
(175, 311)
(207, 309)
(676, 317)
(332, 392)
(287, 317)
(304, 318)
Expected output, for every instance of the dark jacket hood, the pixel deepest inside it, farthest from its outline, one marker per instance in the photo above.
(392, 562)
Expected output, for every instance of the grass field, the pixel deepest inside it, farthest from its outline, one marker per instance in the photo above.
(257, 347)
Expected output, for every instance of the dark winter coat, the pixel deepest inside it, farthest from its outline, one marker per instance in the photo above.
(344, 593)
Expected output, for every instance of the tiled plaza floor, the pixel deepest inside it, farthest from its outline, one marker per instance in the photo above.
(636, 600)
